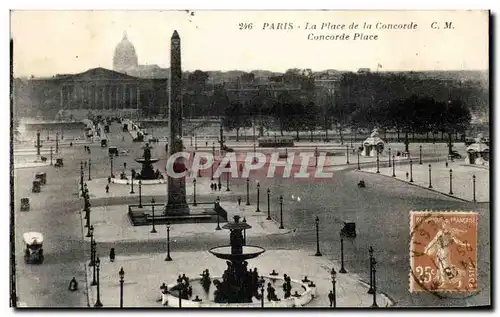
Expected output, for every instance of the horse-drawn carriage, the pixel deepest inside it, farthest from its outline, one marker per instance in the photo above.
(34, 251)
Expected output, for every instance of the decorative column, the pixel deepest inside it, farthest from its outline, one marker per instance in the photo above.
(110, 96)
(124, 96)
(117, 97)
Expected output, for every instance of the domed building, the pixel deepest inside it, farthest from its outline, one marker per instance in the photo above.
(125, 57)
(125, 60)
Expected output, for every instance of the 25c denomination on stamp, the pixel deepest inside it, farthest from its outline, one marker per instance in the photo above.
(443, 251)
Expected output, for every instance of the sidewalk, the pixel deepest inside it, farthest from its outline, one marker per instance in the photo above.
(97, 189)
(440, 178)
(112, 224)
(144, 274)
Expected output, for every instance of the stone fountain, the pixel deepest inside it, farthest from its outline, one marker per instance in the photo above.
(238, 285)
(147, 171)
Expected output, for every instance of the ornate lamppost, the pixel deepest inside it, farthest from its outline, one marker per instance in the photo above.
(334, 288)
(98, 302)
(121, 273)
(268, 204)
(81, 178)
(194, 193)
(378, 162)
(92, 249)
(316, 157)
(347, 152)
(411, 171)
(370, 252)
(451, 182)
(474, 188)
(111, 165)
(430, 174)
(393, 166)
(227, 182)
(90, 164)
(374, 304)
(342, 269)
(51, 155)
(248, 191)
(258, 197)
(389, 157)
(217, 202)
(140, 193)
(94, 281)
(317, 237)
(132, 183)
(281, 212)
(359, 167)
(153, 230)
(420, 155)
(168, 258)
(213, 155)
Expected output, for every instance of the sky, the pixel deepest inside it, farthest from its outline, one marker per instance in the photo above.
(54, 42)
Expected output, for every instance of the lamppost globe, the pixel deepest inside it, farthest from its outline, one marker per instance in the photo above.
(121, 273)
(317, 220)
(153, 201)
(333, 273)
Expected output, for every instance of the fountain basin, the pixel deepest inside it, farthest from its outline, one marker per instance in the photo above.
(249, 252)
(306, 295)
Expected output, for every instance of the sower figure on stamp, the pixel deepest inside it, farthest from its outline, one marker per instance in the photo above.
(439, 249)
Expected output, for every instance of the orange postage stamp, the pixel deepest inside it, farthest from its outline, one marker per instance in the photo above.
(443, 251)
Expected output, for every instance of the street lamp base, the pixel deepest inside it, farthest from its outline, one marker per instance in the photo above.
(378, 172)
(451, 193)
(374, 305)
(218, 228)
(342, 270)
(88, 235)
(318, 254)
(98, 304)
(94, 283)
(132, 192)
(228, 190)
(393, 175)
(258, 210)
(411, 180)
(430, 186)
(371, 291)
(268, 218)
(154, 231)
(248, 203)
(281, 227)
(168, 258)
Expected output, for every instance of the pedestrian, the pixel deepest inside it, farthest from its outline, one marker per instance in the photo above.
(220, 186)
(330, 297)
(70, 144)
(407, 175)
(73, 285)
(112, 255)
(239, 201)
(212, 186)
(206, 143)
(107, 189)
(109, 179)
(446, 163)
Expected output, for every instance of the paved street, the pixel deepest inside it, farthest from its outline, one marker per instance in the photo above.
(381, 212)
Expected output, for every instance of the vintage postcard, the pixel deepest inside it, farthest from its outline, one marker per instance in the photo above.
(249, 159)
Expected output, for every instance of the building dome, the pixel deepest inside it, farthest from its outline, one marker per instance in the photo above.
(125, 56)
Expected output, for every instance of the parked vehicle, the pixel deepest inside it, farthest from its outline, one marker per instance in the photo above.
(34, 250)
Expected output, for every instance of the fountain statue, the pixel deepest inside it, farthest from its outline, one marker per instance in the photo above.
(147, 171)
(239, 284)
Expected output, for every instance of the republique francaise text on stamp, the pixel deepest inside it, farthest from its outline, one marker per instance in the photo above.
(443, 251)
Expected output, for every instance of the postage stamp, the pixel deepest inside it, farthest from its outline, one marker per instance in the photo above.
(443, 251)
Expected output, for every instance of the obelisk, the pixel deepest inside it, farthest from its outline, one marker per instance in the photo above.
(176, 200)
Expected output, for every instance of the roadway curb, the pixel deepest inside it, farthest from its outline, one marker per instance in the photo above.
(420, 186)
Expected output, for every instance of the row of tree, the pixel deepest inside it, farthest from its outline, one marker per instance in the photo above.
(411, 115)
